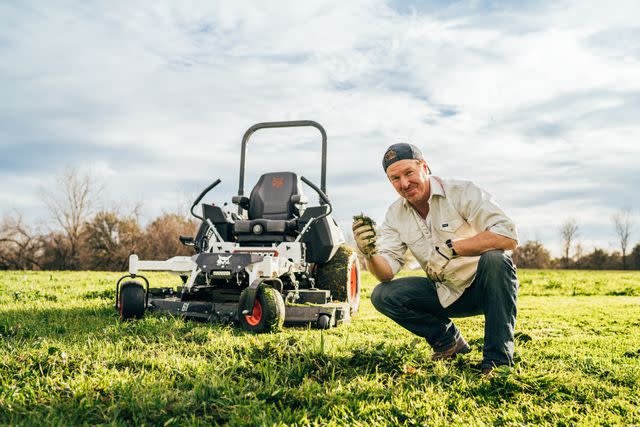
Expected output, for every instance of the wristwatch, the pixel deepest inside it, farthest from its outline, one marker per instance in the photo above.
(449, 244)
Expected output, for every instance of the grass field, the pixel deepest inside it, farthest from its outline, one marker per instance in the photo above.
(66, 359)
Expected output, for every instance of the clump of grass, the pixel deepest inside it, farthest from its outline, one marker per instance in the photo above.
(365, 220)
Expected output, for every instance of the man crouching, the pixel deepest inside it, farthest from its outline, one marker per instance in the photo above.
(458, 234)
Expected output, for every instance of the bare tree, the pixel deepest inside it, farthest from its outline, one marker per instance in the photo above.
(70, 204)
(569, 232)
(20, 248)
(578, 252)
(623, 222)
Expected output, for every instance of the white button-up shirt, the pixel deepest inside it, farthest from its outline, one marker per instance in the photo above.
(457, 210)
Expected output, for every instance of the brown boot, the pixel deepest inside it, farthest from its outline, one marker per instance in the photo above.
(459, 347)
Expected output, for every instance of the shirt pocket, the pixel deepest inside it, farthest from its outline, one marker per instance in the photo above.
(450, 226)
(411, 236)
(418, 244)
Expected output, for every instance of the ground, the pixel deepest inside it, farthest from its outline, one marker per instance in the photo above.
(65, 358)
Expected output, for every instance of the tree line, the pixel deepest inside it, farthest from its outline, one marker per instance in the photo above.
(102, 243)
(533, 254)
(86, 238)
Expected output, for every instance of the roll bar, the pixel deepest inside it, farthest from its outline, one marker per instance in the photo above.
(286, 124)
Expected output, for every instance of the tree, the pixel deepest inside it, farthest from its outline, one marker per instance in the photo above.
(569, 232)
(70, 204)
(108, 240)
(531, 255)
(596, 260)
(20, 247)
(635, 257)
(622, 222)
(161, 237)
(55, 251)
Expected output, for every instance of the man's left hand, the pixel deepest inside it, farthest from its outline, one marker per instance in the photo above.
(435, 274)
(438, 261)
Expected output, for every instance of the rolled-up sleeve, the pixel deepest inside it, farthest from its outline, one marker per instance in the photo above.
(390, 247)
(484, 213)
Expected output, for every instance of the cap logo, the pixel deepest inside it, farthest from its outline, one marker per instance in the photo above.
(390, 155)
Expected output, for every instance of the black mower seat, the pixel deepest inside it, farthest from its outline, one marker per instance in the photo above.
(272, 208)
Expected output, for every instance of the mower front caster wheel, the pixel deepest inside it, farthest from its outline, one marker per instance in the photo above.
(324, 321)
(268, 311)
(132, 300)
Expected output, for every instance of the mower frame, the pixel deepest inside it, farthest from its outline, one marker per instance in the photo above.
(270, 265)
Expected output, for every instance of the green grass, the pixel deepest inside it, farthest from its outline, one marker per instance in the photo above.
(66, 359)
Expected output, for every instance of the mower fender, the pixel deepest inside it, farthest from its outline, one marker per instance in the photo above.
(246, 308)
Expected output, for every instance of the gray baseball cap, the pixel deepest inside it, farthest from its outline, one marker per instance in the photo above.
(400, 151)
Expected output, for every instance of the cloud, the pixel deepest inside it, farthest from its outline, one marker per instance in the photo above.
(536, 101)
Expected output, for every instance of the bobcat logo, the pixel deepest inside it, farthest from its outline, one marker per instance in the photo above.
(223, 261)
(277, 182)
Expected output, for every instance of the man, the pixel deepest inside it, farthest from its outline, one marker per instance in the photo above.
(458, 234)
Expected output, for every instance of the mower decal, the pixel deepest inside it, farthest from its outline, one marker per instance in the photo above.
(277, 182)
(223, 261)
(232, 262)
(185, 306)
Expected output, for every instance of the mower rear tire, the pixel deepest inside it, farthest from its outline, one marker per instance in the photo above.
(268, 311)
(132, 300)
(341, 276)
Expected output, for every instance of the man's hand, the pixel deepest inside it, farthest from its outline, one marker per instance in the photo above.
(439, 259)
(435, 274)
(365, 234)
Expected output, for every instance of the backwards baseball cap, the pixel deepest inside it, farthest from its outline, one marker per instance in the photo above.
(400, 151)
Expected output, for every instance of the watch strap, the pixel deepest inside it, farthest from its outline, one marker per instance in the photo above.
(449, 244)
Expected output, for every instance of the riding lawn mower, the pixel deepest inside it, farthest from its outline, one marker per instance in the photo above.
(276, 261)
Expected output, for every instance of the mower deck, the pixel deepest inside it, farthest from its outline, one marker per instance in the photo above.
(227, 312)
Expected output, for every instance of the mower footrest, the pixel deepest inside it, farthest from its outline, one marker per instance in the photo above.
(313, 296)
(201, 310)
(305, 314)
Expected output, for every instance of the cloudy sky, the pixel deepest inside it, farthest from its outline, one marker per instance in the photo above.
(537, 102)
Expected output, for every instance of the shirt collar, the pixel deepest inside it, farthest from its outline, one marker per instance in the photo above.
(436, 189)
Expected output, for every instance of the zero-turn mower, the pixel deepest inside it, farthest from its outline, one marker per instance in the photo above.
(277, 261)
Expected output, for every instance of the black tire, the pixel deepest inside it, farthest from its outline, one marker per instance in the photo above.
(341, 276)
(324, 321)
(268, 311)
(132, 300)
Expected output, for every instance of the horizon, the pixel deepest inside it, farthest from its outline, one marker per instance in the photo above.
(537, 103)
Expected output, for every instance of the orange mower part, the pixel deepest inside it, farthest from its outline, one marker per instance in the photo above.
(353, 282)
(256, 315)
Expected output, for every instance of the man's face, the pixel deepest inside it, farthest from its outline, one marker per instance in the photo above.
(410, 179)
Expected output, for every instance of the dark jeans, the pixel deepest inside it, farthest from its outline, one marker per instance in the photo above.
(412, 302)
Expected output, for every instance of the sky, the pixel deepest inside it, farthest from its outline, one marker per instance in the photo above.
(536, 102)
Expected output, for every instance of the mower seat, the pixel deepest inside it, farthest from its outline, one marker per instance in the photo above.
(272, 209)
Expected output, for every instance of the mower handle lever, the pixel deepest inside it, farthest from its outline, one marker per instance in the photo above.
(205, 191)
(313, 220)
(322, 196)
